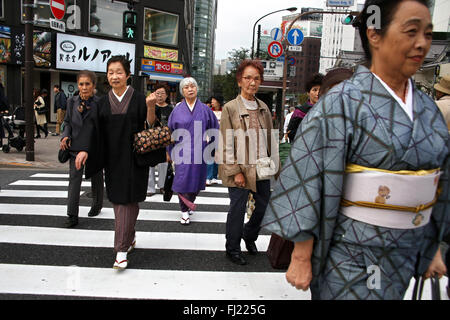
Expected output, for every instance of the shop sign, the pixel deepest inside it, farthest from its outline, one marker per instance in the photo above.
(162, 66)
(78, 53)
(273, 70)
(160, 53)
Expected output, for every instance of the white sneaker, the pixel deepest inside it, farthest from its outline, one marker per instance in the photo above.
(133, 244)
(184, 218)
(214, 181)
(208, 182)
(121, 261)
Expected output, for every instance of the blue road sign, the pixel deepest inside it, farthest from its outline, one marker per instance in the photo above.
(295, 37)
(276, 34)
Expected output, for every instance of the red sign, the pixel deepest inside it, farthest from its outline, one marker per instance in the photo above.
(162, 66)
(275, 49)
(58, 8)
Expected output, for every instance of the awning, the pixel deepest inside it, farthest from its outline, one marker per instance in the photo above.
(162, 77)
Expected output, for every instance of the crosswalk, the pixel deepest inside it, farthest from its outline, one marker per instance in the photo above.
(171, 261)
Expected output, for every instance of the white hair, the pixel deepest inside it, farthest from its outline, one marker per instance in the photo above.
(187, 81)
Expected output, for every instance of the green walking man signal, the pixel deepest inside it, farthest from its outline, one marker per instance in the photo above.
(129, 25)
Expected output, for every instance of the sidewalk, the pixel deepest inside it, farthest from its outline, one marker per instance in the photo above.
(45, 154)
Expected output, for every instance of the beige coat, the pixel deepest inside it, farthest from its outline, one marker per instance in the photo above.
(444, 105)
(233, 154)
(40, 118)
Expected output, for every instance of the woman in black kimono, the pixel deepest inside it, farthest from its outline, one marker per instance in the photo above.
(122, 113)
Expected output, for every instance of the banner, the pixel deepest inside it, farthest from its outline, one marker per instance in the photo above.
(79, 53)
(162, 66)
(160, 53)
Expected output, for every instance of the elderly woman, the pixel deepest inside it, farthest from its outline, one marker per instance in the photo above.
(79, 108)
(121, 113)
(190, 123)
(247, 121)
(358, 193)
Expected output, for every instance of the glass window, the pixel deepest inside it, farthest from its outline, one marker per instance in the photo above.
(160, 27)
(42, 14)
(106, 17)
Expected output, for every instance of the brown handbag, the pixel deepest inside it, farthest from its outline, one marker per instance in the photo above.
(152, 139)
(279, 252)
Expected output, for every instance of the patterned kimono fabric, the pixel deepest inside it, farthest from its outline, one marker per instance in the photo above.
(359, 122)
(125, 214)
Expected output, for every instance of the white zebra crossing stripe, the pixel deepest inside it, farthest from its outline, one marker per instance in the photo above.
(146, 284)
(108, 213)
(105, 239)
(199, 200)
(34, 193)
(87, 183)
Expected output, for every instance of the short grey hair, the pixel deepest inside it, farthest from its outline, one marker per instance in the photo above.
(185, 82)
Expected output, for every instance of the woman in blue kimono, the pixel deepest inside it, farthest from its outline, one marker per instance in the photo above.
(376, 124)
(191, 122)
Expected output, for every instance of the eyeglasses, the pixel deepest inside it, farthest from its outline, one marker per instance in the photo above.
(249, 79)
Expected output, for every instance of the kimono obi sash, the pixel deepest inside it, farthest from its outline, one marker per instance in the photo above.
(392, 199)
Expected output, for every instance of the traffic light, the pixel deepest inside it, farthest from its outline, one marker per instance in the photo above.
(129, 25)
(348, 20)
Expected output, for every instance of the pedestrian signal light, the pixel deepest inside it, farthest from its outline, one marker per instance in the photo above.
(129, 25)
(348, 20)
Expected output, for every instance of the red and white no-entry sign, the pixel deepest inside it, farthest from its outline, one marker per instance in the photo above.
(58, 8)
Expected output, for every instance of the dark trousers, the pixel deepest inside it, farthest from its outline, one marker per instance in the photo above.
(39, 128)
(75, 179)
(235, 229)
(124, 225)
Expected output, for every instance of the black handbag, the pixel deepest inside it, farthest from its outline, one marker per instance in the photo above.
(279, 252)
(168, 183)
(435, 288)
(42, 110)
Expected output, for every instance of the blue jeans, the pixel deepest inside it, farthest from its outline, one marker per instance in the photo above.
(212, 171)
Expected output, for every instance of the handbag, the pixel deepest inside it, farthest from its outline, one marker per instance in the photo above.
(41, 110)
(152, 139)
(435, 288)
(279, 252)
(265, 168)
(168, 183)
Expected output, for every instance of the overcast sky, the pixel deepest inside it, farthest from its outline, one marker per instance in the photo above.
(235, 20)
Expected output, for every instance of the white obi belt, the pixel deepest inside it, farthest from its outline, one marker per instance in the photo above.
(392, 199)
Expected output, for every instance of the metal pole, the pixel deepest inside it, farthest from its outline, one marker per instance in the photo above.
(258, 41)
(29, 65)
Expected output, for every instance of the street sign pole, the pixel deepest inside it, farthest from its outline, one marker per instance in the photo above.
(28, 87)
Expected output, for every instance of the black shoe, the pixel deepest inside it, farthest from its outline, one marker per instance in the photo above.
(94, 212)
(37, 137)
(46, 134)
(251, 247)
(71, 222)
(55, 134)
(236, 258)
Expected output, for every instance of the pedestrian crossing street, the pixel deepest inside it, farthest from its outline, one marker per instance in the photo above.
(172, 261)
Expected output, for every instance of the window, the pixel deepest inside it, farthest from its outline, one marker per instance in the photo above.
(42, 14)
(160, 27)
(1, 9)
(106, 17)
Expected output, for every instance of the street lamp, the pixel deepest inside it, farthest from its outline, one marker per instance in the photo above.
(292, 9)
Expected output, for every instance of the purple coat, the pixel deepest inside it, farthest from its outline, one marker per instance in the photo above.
(188, 129)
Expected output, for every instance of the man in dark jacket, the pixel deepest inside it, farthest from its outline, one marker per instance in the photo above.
(59, 108)
(312, 89)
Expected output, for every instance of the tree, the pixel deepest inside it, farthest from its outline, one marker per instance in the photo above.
(225, 85)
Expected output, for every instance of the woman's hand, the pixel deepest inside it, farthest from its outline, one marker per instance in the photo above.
(239, 180)
(437, 266)
(65, 143)
(151, 100)
(299, 273)
(80, 160)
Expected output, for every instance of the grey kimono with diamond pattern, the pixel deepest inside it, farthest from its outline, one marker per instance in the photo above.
(359, 122)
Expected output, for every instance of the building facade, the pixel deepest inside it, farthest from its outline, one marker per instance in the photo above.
(159, 47)
(205, 22)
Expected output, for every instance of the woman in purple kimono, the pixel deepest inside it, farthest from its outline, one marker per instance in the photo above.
(190, 122)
